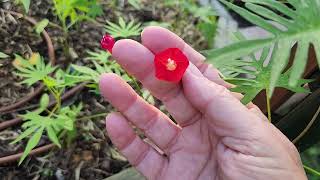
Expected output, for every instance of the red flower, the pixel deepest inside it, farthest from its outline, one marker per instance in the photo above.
(107, 42)
(170, 64)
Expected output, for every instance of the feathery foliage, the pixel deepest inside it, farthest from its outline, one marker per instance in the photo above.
(123, 29)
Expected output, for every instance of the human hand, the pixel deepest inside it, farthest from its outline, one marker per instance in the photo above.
(216, 137)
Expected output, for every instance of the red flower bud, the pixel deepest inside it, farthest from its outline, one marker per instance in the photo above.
(107, 42)
(170, 64)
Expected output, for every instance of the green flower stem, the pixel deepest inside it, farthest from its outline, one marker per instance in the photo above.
(311, 171)
(136, 85)
(57, 97)
(268, 106)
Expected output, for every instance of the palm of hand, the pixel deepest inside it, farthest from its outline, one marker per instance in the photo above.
(215, 137)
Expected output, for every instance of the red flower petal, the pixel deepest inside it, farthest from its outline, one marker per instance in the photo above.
(107, 42)
(170, 64)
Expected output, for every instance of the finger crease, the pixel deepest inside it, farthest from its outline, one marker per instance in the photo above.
(149, 124)
(166, 148)
(194, 118)
(203, 67)
(129, 142)
(130, 104)
(171, 94)
(141, 157)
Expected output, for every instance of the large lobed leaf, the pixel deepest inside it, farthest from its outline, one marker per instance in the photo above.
(300, 26)
(259, 78)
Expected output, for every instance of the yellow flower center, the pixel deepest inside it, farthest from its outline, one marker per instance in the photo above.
(171, 65)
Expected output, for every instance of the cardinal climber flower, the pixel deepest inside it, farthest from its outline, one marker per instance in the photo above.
(107, 42)
(170, 64)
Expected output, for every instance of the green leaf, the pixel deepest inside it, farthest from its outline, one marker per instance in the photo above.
(39, 27)
(279, 61)
(102, 56)
(275, 5)
(300, 62)
(52, 136)
(236, 50)
(3, 55)
(26, 4)
(33, 73)
(33, 141)
(123, 30)
(253, 18)
(25, 134)
(298, 25)
(135, 3)
(76, 11)
(44, 101)
(259, 76)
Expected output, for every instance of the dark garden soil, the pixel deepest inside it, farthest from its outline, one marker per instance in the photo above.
(91, 154)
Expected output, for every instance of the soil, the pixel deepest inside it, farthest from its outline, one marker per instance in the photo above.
(17, 37)
(91, 154)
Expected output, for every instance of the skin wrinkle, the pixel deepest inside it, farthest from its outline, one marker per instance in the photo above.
(171, 94)
(210, 150)
(194, 118)
(171, 143)
(127, 144)
(141, 157)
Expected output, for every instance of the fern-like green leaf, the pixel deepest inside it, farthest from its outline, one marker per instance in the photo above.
(122, 29)
(300, 26)
(33, 73)
(37, 124)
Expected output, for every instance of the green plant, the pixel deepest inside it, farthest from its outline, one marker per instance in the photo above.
(25, 4)
(33, 73)
(258, 73)
(70, 12)
(75, 11)
(135, 3)
(298, 26)
(122, 29)
(53, 124)
(3, 55)
(57, 121)
(102, 64)
(39, 27)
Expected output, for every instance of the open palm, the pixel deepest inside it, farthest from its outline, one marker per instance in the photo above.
(216, 137)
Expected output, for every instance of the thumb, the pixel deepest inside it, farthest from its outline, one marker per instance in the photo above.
(225, 113)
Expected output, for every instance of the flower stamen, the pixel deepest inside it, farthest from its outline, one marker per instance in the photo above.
(171, 65)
